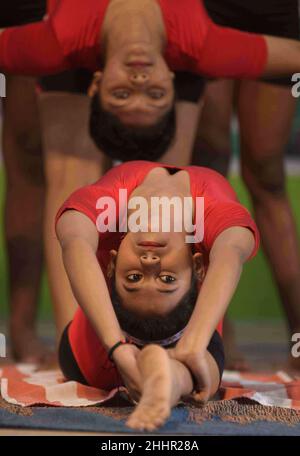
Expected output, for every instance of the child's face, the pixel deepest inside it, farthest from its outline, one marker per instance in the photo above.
(139, 94)
(151, 280)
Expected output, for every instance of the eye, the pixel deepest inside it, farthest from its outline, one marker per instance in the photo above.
(121, 94)
(167, 279)
(134, 277)
(156, 94)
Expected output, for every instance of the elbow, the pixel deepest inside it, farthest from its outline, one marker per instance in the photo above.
(233, 252)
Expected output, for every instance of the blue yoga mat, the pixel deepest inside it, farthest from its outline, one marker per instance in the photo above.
(67, 419)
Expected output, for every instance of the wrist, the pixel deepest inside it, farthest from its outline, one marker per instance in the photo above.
(115, 347)
(109, 341)
(192, 344)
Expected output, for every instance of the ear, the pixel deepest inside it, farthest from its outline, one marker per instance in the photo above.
(94, 86)
(112, 263)
(172, 75)
(199, 268)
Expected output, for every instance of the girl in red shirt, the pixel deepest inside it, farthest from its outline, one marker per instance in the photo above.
(138, 44)
(146, 291)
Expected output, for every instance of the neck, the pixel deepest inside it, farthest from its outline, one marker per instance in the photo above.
(133, 23)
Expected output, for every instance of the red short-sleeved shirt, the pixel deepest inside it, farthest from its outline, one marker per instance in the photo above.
(70, 37)
(221, 211)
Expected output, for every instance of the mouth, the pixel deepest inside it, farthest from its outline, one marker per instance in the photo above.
(150, 244)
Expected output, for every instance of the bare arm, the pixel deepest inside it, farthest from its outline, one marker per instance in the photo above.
(230, 250)
(283, 56)
(227, 256)
(78, 237)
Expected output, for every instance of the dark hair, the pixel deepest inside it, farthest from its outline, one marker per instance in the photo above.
(121, 142)
(156, 328)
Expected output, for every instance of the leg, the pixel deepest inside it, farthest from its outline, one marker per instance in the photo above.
(165, 382)
(71, 161)
(24, 203)
(264, 133)
(212, 146)
(187, 120)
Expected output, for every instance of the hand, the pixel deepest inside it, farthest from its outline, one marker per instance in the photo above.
(197, 363)
(125, 359)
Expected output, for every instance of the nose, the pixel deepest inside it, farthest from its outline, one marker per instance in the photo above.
(139, 78)
(149, 259)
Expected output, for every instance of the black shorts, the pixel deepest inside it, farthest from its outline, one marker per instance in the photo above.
(20, 12)
(268, 17)
(71, 370)
(72, 81)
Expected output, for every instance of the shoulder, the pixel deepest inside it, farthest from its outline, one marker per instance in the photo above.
(187, 24)
(211, 183)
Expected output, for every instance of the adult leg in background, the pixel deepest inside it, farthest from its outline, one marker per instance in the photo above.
(212, 146)
(24, 203)
(265, 113)
(179, 154)
(71, 161)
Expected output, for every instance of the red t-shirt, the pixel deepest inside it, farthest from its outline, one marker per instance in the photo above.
(221, 211)
(70, 37)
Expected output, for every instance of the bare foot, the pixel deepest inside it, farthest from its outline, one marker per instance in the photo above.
(155, 404)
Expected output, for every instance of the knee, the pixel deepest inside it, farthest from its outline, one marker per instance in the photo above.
(148, 350)
(212, 147)
(215, 134)
(264, 176)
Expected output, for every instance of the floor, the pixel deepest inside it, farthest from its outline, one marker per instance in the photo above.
(256, 340)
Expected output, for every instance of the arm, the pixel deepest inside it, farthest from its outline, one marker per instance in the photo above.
(236, 54)
(31, 49)
(283, 56)
(78, 237)
(227, 256)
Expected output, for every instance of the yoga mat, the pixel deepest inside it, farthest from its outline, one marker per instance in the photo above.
(70, 419)
(249, 404)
